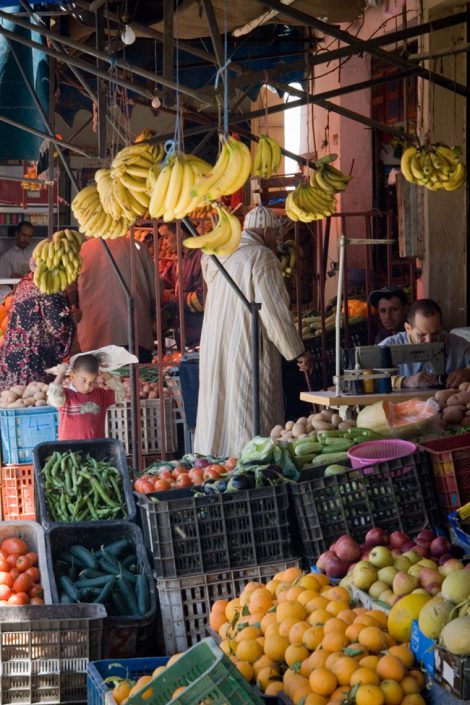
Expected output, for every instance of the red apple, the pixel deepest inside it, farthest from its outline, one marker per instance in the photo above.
(398, 538)
(376, 537)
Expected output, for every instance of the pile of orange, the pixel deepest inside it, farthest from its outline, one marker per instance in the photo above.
(4, 309)
(300, 635)
(126, 688)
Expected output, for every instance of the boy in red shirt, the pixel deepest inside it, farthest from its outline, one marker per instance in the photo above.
(82, 406)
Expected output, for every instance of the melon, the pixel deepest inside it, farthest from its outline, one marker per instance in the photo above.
(456, 587)
(455, 636)
(434, 616)
(403, 613)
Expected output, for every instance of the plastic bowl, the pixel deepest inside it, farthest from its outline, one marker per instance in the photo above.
(372, 452)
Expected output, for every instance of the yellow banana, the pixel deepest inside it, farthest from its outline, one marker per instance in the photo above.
(405, 164)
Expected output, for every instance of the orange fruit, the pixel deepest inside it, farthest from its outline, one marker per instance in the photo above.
(393, 692)
(155, 673)
(322, 579)
(340, 694)
(316, 603)
(295, 653)
(315, 699)
(366, 621)
(217, 616)
(359, 610)
(344, 668)
(404, 653)
(353, 631)
(379, 617)
(249, 650)
(266, 675)
(331, 660)
(121, 690)
(177, 692)
(373, 639)
(246, 669)
(232, 609)
(318, 659)
(391, 668)
(306, 596)
(225, 630)
(309, 582)
(260, 600)
(410, 685)
(297, 631)
(413, 699)
(347, 616)
(334, 642)
(322, 681)
(247, 633)
(291, 574)
(334, 624)
(274, 687)
(389, 640)
(364, 676)
(228, 646)
(141, 683)
(294, 683)
(275, 647)
(300, 693)
(294, 592)
(313, 637)
(271, 585)
(369, 695)
(269, 618)
(255, 619)
(318, 617)
(263, 662)
(290, 610)
(336, 607)
(369, 661)
(419, 677)
(338, 593)
(272, 630)
(285, 626)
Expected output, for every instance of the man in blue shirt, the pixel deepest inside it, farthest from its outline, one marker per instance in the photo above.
(424, 325)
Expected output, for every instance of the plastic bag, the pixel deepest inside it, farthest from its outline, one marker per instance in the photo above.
(110, 358)
(406, 419)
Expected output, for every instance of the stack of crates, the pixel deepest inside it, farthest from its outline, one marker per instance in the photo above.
(207, 548)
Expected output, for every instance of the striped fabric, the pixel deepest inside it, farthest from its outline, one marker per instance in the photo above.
(225, 411)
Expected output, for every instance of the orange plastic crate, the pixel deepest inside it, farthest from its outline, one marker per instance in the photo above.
(18, 492)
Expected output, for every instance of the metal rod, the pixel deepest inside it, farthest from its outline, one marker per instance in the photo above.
(214, 30)
(298, 298)
(101, 87)
(450, 51)
(159, 325)
(368, 287)
(168, 46)
(179, 253)
(467, 158)
(134, 368)
(321, 299)
(362, 45)
(342, 249)
(388, 221)
(118, 63)
(345, 285)
(4, 177)
(43, 135)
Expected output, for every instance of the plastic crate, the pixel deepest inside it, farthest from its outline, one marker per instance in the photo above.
(459, 532)
(102, 449)
(123, 637)
(22, 429)
(358, 335)
(118, 425)
(44, 652)
(398, 494)
(209, 677)
(185, 603)
(131, 668)
(452, 673)
(423, 648)
(450, 458)
(33, 534)
(17, 486)
(190, 535)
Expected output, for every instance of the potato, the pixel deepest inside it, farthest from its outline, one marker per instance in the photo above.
(308, 427)
(298, 429)
(287, 436)
(277, 432)
(315, 417)
(462, 398)
(302, 420)
(39, 395)
(10, 397)
(336, 420)
(18, 404)
(302, 436)
(453, 414)
(464, 386)
(289, 425)
(322, 426)
(40, 402)
(18, 389)
(443, 395)
(326, 415)
(29, 401)
(344, 425)
(311, 418)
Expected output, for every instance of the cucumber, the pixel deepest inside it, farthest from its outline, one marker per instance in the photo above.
(120, 608)
(336, 445)
(329, 459)
(307, 448)
(118, 547)
(90, 573)
(142, 594)
(69, 588)
(66, 599)
(105, 593)
(94, 582)
(128, 594)
(129, 561)
(85, 556)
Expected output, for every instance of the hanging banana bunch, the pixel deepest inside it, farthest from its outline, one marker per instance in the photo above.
(435, 166)
(267, 157)
(223, 239)
(58, 261)
(228, 175)
(172, 188)
(287, 258)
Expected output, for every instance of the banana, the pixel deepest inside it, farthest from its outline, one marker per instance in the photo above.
(152, 176)
(457, 179)
(234, 240)
(187, 183)
(267, 157)
(174, 189)
(217, 237)
(209, 180)
(405, 164)
(157, 200)
(316, 179)
(276, 154)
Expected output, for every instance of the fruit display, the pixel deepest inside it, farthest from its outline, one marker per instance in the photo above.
(311, 320)
(300, 635)
(190, 471)
(93, 220)
(58, 261)
(316, 198)
(228, 175)
(125, 688)
(204, 212)
(287, 257)
(223, 239)
(20, 578)
(81, 488)
(22, 396)
(435, 166)
(267, 157)
(111, 576)
(171, 186)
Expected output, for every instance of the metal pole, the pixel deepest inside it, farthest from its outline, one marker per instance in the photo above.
(101, 86)
(342, 247)
(181, 302)
(158, 319)
(298, 282)
(43, 135)
(467, 155)
(321, 299)
(134, 368)
(50, 171)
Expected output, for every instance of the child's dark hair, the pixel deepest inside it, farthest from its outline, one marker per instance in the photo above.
(87, 363)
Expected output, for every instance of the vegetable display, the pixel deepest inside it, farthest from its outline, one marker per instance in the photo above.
(20, 578)
(304, 427)
(190, 471)
(82, 489)
(454, 405)
(110, 576)
(22, 396)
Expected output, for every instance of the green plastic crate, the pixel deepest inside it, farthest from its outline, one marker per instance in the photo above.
(209, 675)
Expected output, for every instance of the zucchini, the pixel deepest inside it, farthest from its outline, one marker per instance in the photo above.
(120, 608)
(118, 547)
(142, 593)
(129, 561)
(69, 588)
(329, 459)
(128, 594)
(94, 582)
(66, 599)
(85, 556)
(105, 593)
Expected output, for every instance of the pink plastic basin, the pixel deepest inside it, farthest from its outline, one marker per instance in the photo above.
(372, 452)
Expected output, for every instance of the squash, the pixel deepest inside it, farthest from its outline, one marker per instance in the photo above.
(402, 615)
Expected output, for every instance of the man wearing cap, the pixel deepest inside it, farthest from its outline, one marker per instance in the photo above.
(225, 405)
(391, 303)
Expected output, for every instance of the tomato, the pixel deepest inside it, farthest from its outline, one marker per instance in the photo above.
(161, 485)
(33, 556)
(12, 558)
(196, 475)
(165, 475)
(4, 567)
(3, 555)
(184, 480)
(231, 463)
(179, 471)
(14, 545)
(6, 579)
(19, 599)
(144, 484)
(35, 590)
(213, 472)
(36, 601)
(138, 485)
(14, 573)
(22, 583)
(23, 563)
(5, 592)
(34, 573)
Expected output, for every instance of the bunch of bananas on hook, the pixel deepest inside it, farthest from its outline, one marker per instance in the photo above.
(267, 157)
(287, 257)
(58, 261)
(436, 166)
(327, 178)
(223, 239)
(171, 189)
(228, 175)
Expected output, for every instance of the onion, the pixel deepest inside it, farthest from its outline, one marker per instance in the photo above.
(201, 463)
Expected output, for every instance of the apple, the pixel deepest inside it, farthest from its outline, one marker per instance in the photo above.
(364, 576)
(404, 584)
(402, 563)
(377, 588)
(426, 535)
(413, 556)
(398, 538)
(415, 570)
(450, 566)
(431, 580)
(427, 563)
(387, 574)
(381, 556)
(376, 537)
(439, 546)
(347, 549)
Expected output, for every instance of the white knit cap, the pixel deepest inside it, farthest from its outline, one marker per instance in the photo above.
(261, 218)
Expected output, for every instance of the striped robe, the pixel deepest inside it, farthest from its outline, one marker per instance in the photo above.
(225, 409)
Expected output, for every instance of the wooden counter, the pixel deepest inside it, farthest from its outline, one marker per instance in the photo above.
(329, 398)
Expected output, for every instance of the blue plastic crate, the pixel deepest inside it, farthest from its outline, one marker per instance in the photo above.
(22, 429)
(131, 668)
(423, 648)
(458, 534)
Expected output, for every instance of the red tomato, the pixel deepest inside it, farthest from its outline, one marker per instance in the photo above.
(213, 472)
(36, 601)
(14, 545)
(196, 475)
(35, 590)
(160, 485)
(216, 468)
(179, 471)
(23, 563)
(20, 598)
(3, 555)
(4, 566)
(33, 556)
(138, 485)
(231, 463)
(6, 579)
(165, 475)
(12, 558)
(14, 573)
(5, 592)
(34, 573)
(147, 487)
(184, 480)
(22, 583)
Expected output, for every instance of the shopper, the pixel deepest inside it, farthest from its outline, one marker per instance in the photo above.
(391, 303)
(82, 406)
(424, 325)
(103, 302)
(14, 263)
(39, 335)
(225, 409)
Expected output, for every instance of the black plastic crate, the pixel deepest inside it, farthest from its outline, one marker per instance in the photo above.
(358, 335)
(189, 535)
(107, 449)
(397, 494)
(123, 637)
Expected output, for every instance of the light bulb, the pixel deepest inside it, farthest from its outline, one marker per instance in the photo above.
(128, 35)
(156, 102)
